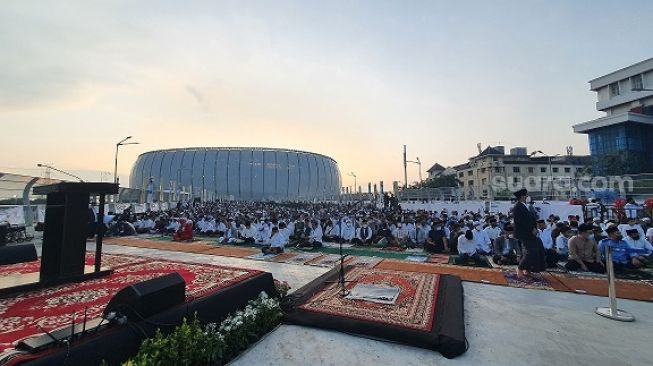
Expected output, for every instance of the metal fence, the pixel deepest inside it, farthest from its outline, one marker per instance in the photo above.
(639, 187)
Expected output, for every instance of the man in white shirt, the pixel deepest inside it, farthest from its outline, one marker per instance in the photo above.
(148, 224)
(263, 236)
(632, 224)
(230, 234)
(421, 233)
(363, 235)
(467, 249)
(483, 244)
(285, 232)
(644, 256)
(348, 232)
(401, 235)
(493, 231)
(249, 233)
(277, 243)
(315, 237)
(562, 242)
(173, 226)
(550, 253)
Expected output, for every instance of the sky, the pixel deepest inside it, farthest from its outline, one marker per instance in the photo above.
(354, 80)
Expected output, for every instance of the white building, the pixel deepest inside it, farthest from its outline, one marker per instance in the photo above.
(622, 138)
(493, 174)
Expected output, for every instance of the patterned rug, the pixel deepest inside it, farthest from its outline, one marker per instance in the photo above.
(302, 258)
(536, 282)
(262, 257)
(108, 260)
(438, 259)
(329, 260)
(483, 263)
(336, 245)
(53, 307)
(368, 262)
(417, 258)
(414, 309)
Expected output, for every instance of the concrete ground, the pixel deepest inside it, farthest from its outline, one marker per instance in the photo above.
(505, 326)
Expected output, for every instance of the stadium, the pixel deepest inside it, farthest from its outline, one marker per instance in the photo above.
(239, 173)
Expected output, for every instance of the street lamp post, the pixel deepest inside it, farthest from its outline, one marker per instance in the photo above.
(419, 166)
(115, 167)
(550, 169)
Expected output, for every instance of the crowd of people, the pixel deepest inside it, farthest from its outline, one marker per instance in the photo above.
(472, 236)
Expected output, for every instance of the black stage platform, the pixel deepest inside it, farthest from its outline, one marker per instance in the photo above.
(116, 343)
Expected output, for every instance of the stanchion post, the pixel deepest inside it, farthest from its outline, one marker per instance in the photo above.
(612, 312)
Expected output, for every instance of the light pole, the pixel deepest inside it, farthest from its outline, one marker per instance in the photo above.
(103, 175)
(550, 169)
(60, 171)
(351, 174)
(115, 167)
(405, 169)
(419, 166)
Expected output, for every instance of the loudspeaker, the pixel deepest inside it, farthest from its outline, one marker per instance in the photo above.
(18, 254)
(150, 297)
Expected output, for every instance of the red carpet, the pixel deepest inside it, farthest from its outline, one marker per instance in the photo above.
(52, 308)
(415, 307)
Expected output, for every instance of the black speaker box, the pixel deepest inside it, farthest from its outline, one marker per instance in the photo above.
(18, 254)
(147, 298)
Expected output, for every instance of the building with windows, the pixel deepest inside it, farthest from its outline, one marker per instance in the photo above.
(493, 174)
(238, 173)
(620, 142)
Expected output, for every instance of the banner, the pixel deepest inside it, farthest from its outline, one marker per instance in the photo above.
(140, 208)
(12, 214)
(559, 208)
(40, 213)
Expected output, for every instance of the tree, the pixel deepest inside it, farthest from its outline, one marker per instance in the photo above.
(440, 181)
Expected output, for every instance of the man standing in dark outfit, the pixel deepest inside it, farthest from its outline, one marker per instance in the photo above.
(532, 259)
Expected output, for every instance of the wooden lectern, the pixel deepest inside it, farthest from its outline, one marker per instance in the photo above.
(63, 254)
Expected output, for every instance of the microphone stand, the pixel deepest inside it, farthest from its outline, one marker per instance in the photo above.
(341, 275)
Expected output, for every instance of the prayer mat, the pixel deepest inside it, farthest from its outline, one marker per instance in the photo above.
(506, 267)
(438, 259)
(336, 245)
(368, 262)
(633, 290)
(644, 274)
(537, 281)
(415, 251)
(283, 257)
(302, 258)
(417, 258)
(428, 312)
(414, 308)
(232, 251)
(329, 260)
(473, 274)
(484, 262)
(364, 251)
(262, 257)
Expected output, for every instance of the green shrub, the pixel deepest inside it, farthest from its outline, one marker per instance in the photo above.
(190, 344)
